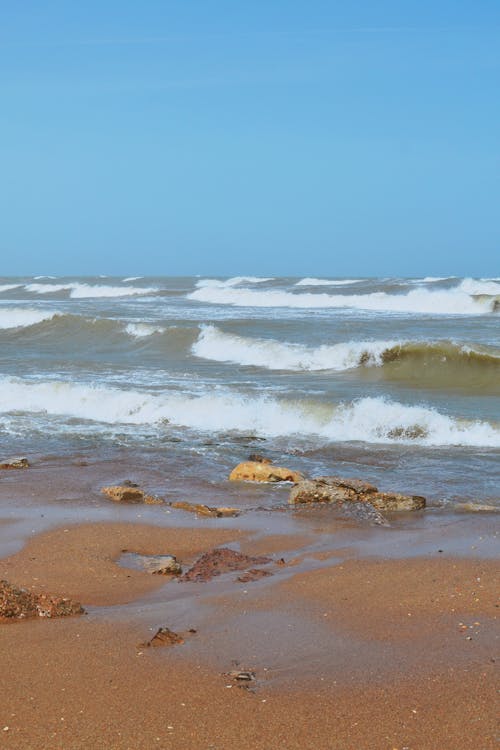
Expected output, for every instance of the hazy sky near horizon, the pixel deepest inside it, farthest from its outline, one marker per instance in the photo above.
(267, 138)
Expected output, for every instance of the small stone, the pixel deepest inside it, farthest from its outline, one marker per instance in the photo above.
(164, 637)
(14, 463)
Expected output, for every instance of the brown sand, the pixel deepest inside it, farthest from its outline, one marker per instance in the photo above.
(83, 683)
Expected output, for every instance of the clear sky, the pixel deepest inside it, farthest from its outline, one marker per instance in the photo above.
(263, 137)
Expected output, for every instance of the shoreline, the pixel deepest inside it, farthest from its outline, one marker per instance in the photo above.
(339, 663)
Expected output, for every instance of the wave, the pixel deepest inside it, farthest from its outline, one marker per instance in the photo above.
(326, 282)
(372, 420)
(132, 278)
(20, 317)
(214, 344)
(234, 281)
(479, 286)
(437, 364)
(454, 301)
(84, 291)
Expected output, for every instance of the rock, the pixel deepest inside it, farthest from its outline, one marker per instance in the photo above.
(221, 560)
(393, 501)
(14, 463)
(19, 604)
(130, 494)
(241, 676)
(162, 565)
(256, 471)
(163, 637)
(338, 490)
(205, 510)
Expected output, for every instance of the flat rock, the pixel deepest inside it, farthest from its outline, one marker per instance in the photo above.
(205, 510)
(219, 561)
(14, 463)
(258, 471)
(339, 490)
(19, 604)
(125, 493)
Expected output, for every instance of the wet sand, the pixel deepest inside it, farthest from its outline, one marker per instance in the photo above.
(349, 651)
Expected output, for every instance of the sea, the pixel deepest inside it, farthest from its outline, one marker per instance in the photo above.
(393, 380)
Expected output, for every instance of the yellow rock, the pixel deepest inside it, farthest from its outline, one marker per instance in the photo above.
(255, 471)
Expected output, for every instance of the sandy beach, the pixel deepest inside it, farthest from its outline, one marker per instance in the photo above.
(350, 649)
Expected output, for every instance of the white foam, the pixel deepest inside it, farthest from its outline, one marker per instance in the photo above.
(132, 278)
(142, 330)
(234, 281)
(372, 420)
(479, 286)
(85, 291)
(454, 301)
(217, 345)
(44, 277)
(326, 282)
(7, 287)
(20, 317)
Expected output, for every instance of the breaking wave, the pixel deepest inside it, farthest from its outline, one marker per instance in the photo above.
(20, 317)
(326, 282)
(372, 420)
(85, 291)
(234, 281)
(438, 364)
(455, 301)
(8, 287)
(214, 344)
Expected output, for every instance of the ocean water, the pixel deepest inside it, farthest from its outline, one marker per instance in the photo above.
(395, 380)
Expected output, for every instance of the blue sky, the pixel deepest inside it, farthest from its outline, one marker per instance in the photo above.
(264, 137)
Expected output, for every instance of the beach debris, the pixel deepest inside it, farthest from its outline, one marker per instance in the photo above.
(258, 471)
(219, 561)
(163, 637)
(17, 603)
(254, 574)
(14, 463)
(205, 510)
(338, 490)
(130, 493)
(163, 565)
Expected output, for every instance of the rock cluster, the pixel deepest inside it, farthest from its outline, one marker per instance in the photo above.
(339, 490)
(19, 604)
